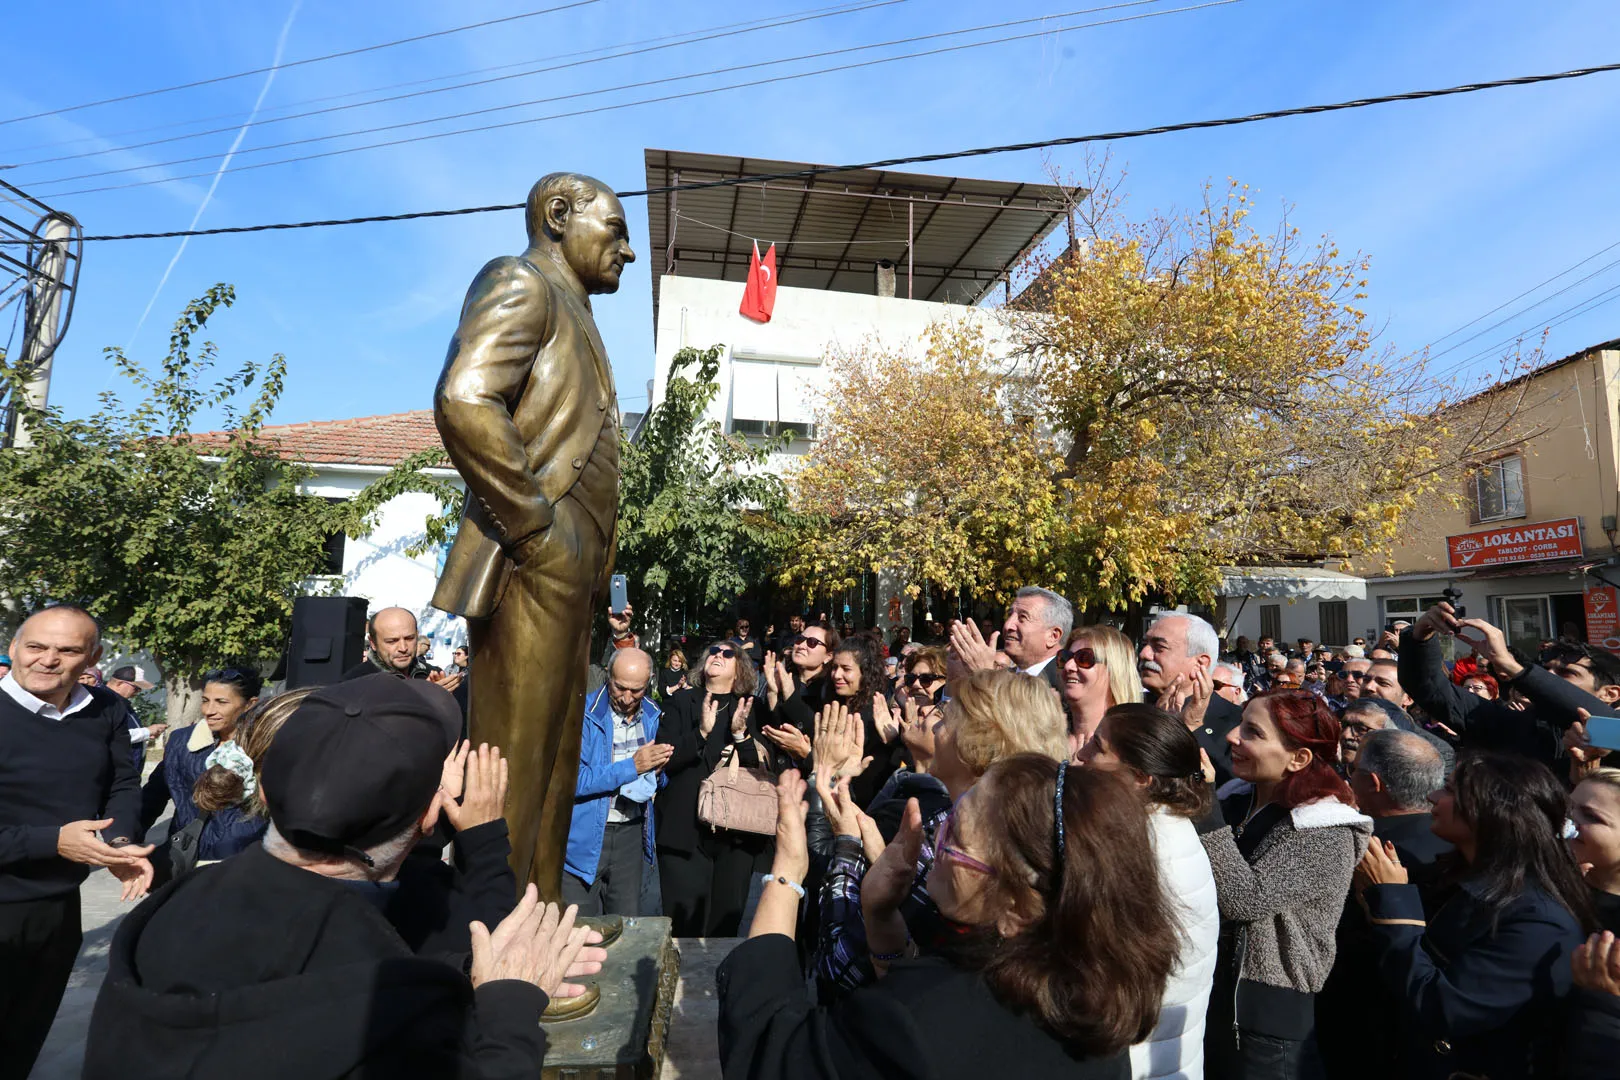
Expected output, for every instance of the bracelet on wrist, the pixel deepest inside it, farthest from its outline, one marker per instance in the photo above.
(781, 880)
(889, 958)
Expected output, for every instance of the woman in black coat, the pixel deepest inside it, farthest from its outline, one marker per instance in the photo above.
(1479, 989)
(704, 872)
(1064, 942)
(1592, 1048)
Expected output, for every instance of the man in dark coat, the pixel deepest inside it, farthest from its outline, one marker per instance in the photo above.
(1356, 1017)
(1178, 652)
(305, 976)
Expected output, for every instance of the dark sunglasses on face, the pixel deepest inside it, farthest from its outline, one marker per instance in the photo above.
(813, 642)
(1084, 658)
(722, 650)
(926, 680)
(1219, 685)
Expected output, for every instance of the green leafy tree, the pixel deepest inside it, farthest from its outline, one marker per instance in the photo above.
(188, 549)
(700, 517)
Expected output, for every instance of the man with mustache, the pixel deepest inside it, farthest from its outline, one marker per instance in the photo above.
(1177, 655)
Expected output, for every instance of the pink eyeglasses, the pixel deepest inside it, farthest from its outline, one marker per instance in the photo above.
(942, 844)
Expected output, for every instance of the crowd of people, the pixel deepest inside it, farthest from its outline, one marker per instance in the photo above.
(1050, 849)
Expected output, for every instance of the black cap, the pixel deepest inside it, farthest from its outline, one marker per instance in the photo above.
(358, 761)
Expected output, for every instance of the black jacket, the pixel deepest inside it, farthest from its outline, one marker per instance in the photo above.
(1219, 718)
(1592, 1047)
(1356, 1025)
(1481, 724)
(1470, 998)
(434, 902)
(695, 757)
(255, 968)
(925, 1019)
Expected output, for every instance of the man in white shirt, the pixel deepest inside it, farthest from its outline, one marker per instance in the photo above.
(1037, 625)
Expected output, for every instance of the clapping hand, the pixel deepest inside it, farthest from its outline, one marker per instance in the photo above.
(773, 688)
(739, 718)
(970, 648)
(848, 819)
(709, 715)
(884, 718)
(1175, 696)
(791, 739)
(536, 944)
(483, 795)
(840, 741)
(890, 879)
(136, 876)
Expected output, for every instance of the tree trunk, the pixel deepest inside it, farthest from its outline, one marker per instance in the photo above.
(183, 698)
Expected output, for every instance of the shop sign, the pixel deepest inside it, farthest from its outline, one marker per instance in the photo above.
(1559, 539)
(1603, 616)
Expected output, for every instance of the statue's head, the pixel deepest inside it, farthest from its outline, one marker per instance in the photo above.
(581, 218)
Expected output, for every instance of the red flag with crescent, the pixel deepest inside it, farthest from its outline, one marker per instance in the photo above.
(759, 295)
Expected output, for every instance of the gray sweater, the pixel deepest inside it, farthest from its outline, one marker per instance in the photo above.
(1288, 901)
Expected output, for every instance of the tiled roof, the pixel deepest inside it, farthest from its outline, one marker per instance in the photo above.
(364, 440)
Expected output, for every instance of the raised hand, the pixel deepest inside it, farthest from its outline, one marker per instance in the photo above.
(884, 718)
(889, 880)
(443, 681)
(536, 944)
(842, 813)
(484, 796)
(739, 718)
(1201, 689)
(1596, 964)
(773, 687)
(1489, 645)
(784, 679)
(790, 739)
(454, 773)
(709, 714)
(792, 859)
(1173, 697)
(970, 648)
(832, 743)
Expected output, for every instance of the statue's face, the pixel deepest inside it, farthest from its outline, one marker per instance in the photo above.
(596, 243)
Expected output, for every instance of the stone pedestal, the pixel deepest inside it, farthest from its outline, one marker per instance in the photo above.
(692, 1045)
(623, 1038)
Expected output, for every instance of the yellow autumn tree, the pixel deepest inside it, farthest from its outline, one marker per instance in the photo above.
(1181, 394)
(921, 466)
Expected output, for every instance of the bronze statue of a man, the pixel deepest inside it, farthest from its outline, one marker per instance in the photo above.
(526, 408)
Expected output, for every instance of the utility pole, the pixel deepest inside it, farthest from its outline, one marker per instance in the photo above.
(44, 319)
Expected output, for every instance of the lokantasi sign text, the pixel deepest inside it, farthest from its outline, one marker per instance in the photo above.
(1603, 616)
(759, 295)
(1559, 539)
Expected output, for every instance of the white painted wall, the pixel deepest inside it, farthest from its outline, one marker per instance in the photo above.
(377, 566)
(807, 328)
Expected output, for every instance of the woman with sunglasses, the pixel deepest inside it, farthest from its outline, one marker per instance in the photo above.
(227, 695)
(1042, 868)
(1156, 752)
(1098, 669)
(704, 872)
(921, 704)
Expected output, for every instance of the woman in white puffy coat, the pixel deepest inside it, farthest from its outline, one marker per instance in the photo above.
(1161, 754)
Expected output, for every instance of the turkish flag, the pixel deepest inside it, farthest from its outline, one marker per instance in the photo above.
(759, 295)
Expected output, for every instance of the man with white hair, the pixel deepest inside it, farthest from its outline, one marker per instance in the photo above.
(1228, 680)
(1177, 656)
(1038, 623)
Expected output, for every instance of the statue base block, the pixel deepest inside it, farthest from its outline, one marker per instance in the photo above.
(623, 1038)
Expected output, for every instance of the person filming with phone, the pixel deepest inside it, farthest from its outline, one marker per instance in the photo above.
(1581, 677)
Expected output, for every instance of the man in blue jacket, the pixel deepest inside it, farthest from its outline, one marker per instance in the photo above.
(610, 841)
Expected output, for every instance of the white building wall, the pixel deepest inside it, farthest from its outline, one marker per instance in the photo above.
(807, 329)
(378, 567)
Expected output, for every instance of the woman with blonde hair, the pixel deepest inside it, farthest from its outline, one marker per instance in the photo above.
(992, 715)
(1098, 669)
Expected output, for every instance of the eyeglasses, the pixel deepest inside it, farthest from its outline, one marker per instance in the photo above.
(813, 642)
(942, 844)
(1219, 685)
(926, 680)
(722, 650)
(1084, 658)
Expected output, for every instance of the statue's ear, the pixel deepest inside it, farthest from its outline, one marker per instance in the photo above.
(557, 211)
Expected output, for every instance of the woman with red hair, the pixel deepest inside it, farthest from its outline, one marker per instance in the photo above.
(1282, 872)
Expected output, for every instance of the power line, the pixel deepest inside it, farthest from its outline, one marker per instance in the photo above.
(916, 159)
(723, 33)
(297, 63)
(634, 86)
(238, 116)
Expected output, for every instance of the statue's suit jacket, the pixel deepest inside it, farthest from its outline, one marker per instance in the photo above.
(524, 396)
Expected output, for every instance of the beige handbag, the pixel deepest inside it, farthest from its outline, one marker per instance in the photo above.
(737, 798)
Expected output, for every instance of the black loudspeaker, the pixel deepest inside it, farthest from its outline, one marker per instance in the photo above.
(328, 638)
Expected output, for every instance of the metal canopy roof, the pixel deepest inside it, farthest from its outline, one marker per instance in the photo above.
(831, 229)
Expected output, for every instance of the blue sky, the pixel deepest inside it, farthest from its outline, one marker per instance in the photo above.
(1461, 203)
